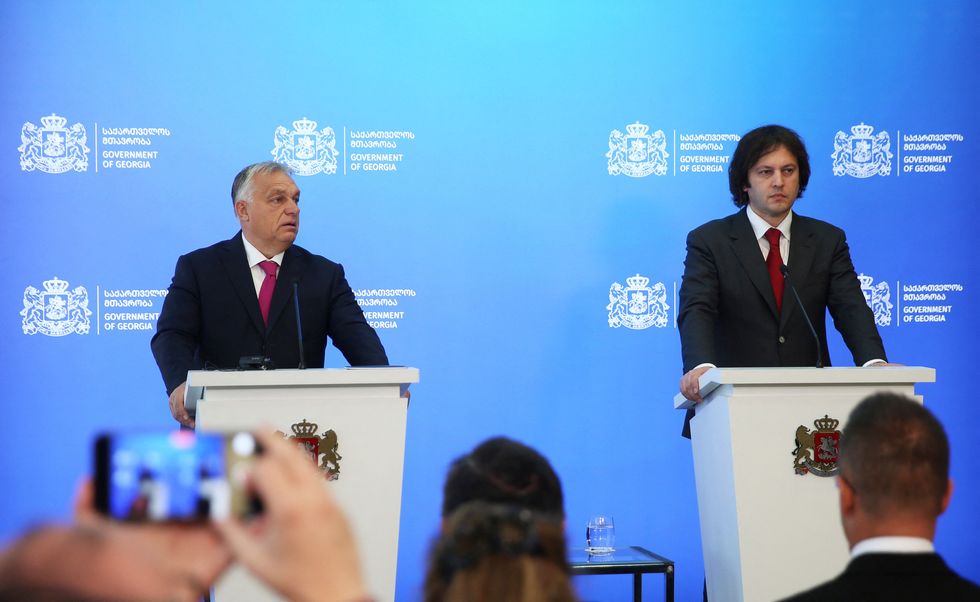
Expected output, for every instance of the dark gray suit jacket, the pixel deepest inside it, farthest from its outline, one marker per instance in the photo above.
(894, 578)
(211, 316)
(728, 314)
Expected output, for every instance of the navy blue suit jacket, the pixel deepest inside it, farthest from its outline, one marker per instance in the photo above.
(894, 578)
(728, 314)
(211, 318)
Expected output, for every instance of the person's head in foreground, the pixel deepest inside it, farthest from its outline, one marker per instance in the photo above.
(501, 470)
(492, 552)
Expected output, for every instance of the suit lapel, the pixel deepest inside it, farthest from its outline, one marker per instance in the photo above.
(235, 263)
(291, 271)
(746, 249)
(801, 252)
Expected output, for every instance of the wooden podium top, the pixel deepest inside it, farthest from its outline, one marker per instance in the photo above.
(777, 377)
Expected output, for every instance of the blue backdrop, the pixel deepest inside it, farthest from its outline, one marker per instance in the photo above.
(473, 168)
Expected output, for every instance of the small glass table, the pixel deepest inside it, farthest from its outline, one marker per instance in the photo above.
(630, 560)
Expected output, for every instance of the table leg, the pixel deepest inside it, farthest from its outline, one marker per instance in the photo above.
(637, 587)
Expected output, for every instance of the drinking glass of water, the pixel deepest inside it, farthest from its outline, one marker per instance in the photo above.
(600, 535)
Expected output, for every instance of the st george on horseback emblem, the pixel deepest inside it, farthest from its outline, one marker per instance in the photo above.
(306, 151)
(637, 154)
(53, 148)
(321, 448)
(56, 311)
(638, 306)
(862, 155)
(816, 451)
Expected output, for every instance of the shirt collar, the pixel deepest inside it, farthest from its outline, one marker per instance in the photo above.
(760, 226)
(255, 257)
(893, 545)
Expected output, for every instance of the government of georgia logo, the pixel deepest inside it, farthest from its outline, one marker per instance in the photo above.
(306, 151)
(637, 154)
(816, 451)
(56, 311)
(878, 298)
(862, 155)
(637, 306)
(53, 148)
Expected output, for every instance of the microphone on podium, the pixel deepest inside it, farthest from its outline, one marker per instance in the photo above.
(785, 272)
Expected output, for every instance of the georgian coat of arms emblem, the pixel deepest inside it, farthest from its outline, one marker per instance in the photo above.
(637, 154)
(816, 451)
(862, 155)
(53, 148)
(321, 448)
(306, 151)
(878, 298)
(637, 305)
(56, 311)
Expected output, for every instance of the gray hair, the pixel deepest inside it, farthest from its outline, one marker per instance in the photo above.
(242, 188)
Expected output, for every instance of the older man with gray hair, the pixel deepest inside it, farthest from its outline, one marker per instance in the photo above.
(235, 298)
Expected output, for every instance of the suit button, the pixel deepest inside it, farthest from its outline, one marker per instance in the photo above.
(782, 339)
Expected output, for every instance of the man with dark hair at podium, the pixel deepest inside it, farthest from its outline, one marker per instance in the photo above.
(737, 308)
(237, 298)
(894, 483)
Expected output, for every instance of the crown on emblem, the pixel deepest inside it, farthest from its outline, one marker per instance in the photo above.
(637, 129)
(638, 281)
(305, 429)
(826, 423)
(865, 280)
(53, 122)
(55, 285)
(304, 126)
(862, 131)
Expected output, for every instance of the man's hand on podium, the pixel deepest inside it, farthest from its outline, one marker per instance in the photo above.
(690, 387)
(177, 408)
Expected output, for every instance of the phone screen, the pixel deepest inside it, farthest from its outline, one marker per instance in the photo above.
(173, 476)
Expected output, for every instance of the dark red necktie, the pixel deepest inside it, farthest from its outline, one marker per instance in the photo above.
(268, 285)
(775, 261)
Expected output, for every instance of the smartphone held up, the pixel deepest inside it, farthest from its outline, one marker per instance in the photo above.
(174, 476)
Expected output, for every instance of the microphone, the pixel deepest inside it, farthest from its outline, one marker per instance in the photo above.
(299, 326)
(785, 272)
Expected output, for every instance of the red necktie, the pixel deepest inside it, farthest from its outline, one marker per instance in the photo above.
(775, 261)
(268, 285)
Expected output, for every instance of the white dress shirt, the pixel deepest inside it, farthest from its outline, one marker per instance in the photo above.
(760, 227)
(255, 257)
(893, 545)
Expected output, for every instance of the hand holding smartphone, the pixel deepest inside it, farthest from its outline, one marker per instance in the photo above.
(174, 476)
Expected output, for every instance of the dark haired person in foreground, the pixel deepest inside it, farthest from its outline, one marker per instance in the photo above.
(491, 552)
(894, 483)
(502, 535)
(501, 470)
(733, 310)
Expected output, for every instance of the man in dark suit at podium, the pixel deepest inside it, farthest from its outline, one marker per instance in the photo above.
(236, 298)
(894, 483)
(733, 310)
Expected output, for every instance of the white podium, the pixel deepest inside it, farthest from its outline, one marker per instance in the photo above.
(366, 410)
(766, 531)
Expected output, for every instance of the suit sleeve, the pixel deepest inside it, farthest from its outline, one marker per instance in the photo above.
(176, 342)
(849, 310)
(698, 301)
(350, 332)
